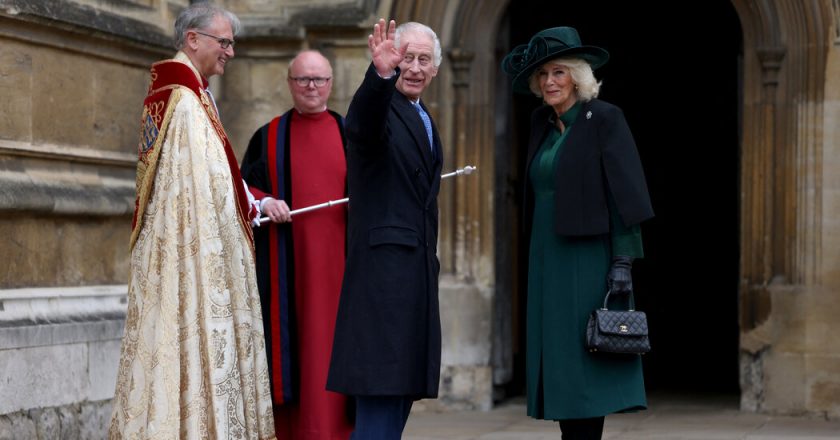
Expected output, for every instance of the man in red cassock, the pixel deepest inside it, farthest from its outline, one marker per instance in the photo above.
(298, 160)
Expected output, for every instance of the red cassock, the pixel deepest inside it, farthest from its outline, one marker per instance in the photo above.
(312, 170)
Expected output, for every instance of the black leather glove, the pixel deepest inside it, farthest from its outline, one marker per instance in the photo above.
(619, 278)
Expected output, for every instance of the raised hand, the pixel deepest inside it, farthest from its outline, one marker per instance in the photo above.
(385, 56)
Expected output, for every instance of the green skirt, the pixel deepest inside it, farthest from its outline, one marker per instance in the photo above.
(566, 282)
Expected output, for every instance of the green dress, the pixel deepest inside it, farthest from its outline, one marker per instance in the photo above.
(566, 281)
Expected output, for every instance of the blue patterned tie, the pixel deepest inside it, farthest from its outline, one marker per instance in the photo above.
(426, 123)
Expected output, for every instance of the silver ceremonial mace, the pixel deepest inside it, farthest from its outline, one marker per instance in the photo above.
(460, 171)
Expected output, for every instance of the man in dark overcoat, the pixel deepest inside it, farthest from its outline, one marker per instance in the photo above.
(386, 351)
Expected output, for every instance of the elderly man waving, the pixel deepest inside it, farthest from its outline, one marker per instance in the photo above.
(387, 344)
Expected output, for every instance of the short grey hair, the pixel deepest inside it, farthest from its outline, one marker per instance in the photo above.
(586, 86)
(199, 16)
(413, 26)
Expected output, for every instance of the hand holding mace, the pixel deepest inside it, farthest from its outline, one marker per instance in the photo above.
(459, 172)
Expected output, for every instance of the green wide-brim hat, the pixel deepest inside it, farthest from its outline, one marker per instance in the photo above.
(547, 45)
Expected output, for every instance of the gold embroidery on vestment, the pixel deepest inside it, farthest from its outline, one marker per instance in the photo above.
(147, 166)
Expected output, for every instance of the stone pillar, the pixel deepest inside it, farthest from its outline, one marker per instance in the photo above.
(465, 304)
(467, 239)
(759, 179)
(760, 203)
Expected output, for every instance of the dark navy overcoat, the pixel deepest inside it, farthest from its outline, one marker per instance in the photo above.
(387, 334)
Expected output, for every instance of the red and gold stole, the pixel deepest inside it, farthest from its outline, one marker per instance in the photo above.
(169, 79)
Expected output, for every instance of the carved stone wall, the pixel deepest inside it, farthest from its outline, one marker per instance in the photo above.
(74, 77)
(789, 288)
(790, 282)
(73, 74)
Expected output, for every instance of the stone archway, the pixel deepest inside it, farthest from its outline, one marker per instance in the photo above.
(786, 47)
(785, 44)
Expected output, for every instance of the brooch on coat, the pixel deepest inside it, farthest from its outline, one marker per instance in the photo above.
(589, 114)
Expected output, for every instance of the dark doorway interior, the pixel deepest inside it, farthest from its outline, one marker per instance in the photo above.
(677, 81)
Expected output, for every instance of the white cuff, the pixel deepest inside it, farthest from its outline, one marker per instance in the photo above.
(390, 75)
(263, 202)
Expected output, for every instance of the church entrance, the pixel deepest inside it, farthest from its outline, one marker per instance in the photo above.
(678, 82)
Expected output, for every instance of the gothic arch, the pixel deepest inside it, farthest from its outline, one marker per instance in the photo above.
(785, 48)
(785, 44)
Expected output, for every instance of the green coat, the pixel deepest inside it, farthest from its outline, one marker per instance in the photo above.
(566, 281)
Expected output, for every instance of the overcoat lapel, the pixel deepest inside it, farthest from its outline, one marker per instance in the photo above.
(406, 112)
(437, 164)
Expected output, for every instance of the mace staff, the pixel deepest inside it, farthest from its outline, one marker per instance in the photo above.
(459, 172)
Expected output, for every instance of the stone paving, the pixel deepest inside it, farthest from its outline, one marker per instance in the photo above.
(668, 418)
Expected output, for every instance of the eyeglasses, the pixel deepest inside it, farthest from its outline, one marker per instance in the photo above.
(223, 42)
(303, 81)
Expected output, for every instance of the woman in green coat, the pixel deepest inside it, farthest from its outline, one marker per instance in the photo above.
(585, 197)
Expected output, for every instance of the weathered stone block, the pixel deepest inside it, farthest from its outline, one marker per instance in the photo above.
(16, 89)
(831, 152)
(59, 373)
(832, 78)
(62, 102)
(88, 420)
(64, 251)
(830, 180)
(255, 92)
(140, 24)
(465, 314)
(785, 383)
(31, 334)
(823, 308)
(830, 249)
(348, 72)
(752, 379)
(104, 357)
(103, 261)
(267, 81)
(94, 420)
(824, 384)
(461, 388)
(46, 423)
(466, 373)
(69, 417)
(16, 427)
(118, 105)
(788, 318)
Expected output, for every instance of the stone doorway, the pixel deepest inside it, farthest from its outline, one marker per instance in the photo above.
(774, 57)
(678, 83)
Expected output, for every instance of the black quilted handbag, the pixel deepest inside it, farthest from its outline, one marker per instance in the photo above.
(618, 331)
